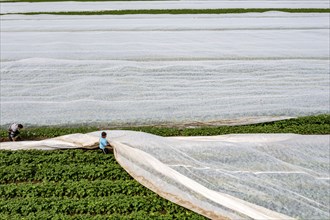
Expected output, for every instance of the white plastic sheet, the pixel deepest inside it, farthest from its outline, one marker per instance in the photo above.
(71, 141)
(163, 69)
(258, 176)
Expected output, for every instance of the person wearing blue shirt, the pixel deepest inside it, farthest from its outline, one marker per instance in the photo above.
(104, 143)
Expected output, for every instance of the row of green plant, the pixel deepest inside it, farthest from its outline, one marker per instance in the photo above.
(140, 215)
(65, 165)
(319, 124)
(57, 172)
(73, 189)
(57, 165)
(182, 11)
(63, 157)
(92, 205)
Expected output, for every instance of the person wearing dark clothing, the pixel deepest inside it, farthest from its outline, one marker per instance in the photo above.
(13, 131)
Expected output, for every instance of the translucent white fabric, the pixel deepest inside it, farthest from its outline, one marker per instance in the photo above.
(163, 69)
(245, 176)
(71, 141)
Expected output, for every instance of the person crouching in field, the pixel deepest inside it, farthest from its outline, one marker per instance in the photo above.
(104, 143)
(13, 131)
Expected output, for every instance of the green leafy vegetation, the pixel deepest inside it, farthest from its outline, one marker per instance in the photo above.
(184, 11)
(304, 125)
(76, 184)
(319, 124)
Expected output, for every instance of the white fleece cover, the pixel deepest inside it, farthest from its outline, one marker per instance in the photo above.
(243, 176)
(163, 69)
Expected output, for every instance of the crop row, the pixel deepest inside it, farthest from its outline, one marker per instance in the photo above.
(58, 172)
(140, 215)
(73, 189)
(318, 124)
(183, 11)
(56, 156)
(93, 206)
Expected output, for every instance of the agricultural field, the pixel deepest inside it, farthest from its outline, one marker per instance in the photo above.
(168, 68)
(86, 184)
(76, 184)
